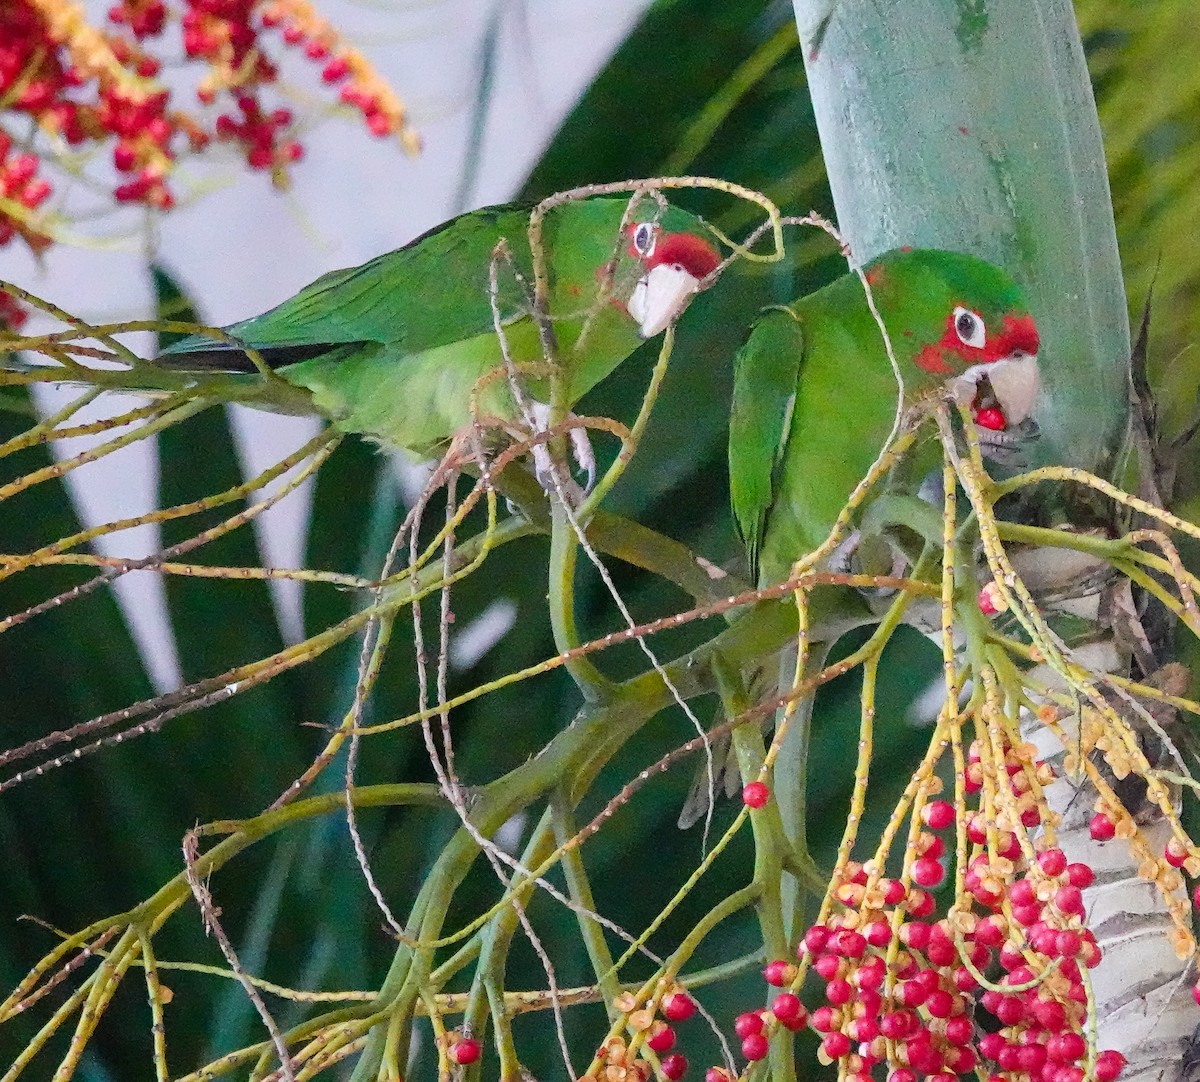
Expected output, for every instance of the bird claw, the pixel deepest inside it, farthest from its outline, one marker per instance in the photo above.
(585, 457)
(544, 467)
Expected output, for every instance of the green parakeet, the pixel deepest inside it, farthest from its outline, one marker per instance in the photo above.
(814, 398)
(394, 348)
(814, 395)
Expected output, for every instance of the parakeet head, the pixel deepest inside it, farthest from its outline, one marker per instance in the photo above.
(964, 320)
(674, 266)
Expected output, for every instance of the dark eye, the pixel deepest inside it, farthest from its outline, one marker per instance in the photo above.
(969, 328)
(644, 236)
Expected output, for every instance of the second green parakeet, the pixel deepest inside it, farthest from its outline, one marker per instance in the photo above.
(814, 394)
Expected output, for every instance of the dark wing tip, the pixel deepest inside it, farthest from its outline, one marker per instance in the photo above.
(208, 355)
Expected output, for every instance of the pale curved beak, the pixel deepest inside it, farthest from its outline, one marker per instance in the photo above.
(1015, 381)
(660, 297)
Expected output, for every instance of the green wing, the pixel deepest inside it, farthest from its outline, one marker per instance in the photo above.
(432, 291)
(766, 375)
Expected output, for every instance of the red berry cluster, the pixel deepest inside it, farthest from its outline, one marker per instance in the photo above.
(269, 148)
(619, 1060)
(923, 1012)
(20, 183)
(85, 85)
(361, 88)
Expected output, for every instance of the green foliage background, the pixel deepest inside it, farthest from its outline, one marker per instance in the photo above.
(712, 87)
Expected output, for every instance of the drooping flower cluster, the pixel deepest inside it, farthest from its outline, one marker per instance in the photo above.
(69, 87)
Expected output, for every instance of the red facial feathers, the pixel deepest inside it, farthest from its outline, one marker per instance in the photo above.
(1016, 333)
(694, 254)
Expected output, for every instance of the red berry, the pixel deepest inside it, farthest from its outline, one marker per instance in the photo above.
(941, 952)
(789, 1010)
(818, 935)
(1050, 1014)
(920, 903)
(990, 600)
(1069, 900)
(1066, 1047)
(1020, 975)
(959, 1030)
(747, 1024)
(336, 70)
(839, 992)
(828, 966)
(1052, 861)
(989, 932)
(716, 1074)
(779, 973)
(755, 1046)
(755, 794)
(1010, 1010)
(824, 1019)
(929, 979)
(990, 1045)
(938, 814)
(1067, 944)
(1021, 893)
(1011, 957)
(915, 934)
(896, 1025)
(836, 1045)
(1009, 846)
(878, 933)
(1009, 1057)
(662, 1040)
(1031, 1057)
(1080, 875)
(928, 872)
(964, 979)
(902, 1074)
(379, 124)
(1175, 854)
(869, 1003)
(1109, 1064)
(1027, 915)
(940, 1004)
(466, 1051)
(870, 975)
(849, 944)
(912, 994)
(865, 1029)
(991, 417)
(923, 1056)
(678, 1007)
(674, 1066)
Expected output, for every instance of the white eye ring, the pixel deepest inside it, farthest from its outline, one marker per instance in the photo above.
(644, 236)
(969, 327)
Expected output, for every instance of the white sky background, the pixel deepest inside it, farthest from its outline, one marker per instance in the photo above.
(243, 247)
